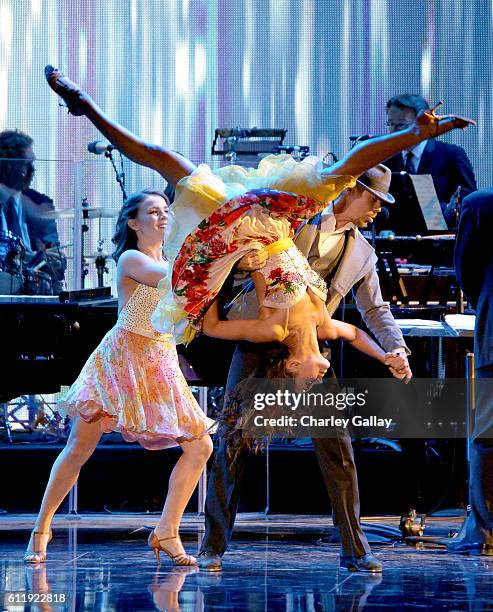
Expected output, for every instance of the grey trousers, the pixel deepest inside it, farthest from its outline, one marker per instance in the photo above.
(335, 457)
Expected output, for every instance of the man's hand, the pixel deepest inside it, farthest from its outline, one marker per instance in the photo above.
(398, 364)
(254, 260)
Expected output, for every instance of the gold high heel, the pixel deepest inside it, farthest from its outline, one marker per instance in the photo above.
(37, 556)
(179, 559)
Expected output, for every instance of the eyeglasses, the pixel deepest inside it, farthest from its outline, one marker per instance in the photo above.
(398, 126)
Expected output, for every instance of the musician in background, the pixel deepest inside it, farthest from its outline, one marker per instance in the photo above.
(448, 164)
(23, 210)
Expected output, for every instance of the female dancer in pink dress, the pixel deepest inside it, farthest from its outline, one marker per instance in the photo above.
(132, 383)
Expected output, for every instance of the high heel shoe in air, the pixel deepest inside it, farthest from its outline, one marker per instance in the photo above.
(69, 91)
(436, 125)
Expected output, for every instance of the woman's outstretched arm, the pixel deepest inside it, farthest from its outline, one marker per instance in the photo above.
(331, 329)
(171, 165)
(371, 152)
(339, 330)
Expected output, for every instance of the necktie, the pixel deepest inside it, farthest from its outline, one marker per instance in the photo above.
(12, 218)
(409, 165)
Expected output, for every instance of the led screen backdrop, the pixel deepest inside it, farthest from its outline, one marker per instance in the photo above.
(174, 70)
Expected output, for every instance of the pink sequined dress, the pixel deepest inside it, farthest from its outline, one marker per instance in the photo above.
(132, 382)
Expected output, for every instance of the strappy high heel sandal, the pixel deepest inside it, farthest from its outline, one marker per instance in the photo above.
(69, 91)
(179, 559)
(34, 555)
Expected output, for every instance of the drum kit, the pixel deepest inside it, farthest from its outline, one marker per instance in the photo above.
(88, 213)
(11, 263)
(17, 275)
(20, 277)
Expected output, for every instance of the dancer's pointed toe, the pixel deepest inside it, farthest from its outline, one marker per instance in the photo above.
(69, 91)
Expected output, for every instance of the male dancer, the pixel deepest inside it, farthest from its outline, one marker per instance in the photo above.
(337, 250)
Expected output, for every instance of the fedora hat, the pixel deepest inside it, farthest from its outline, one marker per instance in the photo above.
(376, 180)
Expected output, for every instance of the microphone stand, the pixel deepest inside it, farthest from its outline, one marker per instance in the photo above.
(101, 269)
(459, 294)
(120, 176)
(84, 228)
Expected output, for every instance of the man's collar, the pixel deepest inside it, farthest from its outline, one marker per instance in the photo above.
(344, 228)
(329, 222)
(417, 151)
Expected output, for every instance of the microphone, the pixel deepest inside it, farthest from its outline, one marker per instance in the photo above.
(384, 213)
(381, 219)
(354, 140)
(98, 147)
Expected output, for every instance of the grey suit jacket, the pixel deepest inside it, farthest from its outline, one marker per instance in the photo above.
(356, 271)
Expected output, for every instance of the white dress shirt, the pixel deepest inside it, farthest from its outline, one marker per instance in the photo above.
(417, 152)
(331, 241)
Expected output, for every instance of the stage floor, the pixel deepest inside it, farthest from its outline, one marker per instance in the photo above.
(101, 562)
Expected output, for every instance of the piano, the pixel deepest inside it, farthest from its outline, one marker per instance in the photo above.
(46, 343)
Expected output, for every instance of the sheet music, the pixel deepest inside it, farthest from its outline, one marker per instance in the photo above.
(463, 325)
(428, 201)
(423, 327)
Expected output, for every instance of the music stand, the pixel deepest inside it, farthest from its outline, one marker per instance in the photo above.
(417, 210)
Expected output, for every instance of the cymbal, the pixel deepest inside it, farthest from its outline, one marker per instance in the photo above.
(96, 255)
(94, 212)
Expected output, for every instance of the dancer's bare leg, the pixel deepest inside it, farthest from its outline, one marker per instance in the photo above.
(173, 166)
(182, 483)
(81, 444)
(170, 164)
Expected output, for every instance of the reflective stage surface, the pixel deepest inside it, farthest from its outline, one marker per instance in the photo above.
(113, 569)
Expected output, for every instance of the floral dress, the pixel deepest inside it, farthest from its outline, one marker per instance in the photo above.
(287, 276)
(218, 218)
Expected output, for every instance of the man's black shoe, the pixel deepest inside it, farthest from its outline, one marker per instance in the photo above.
(462, 547)
(209, 561)
(367, 563)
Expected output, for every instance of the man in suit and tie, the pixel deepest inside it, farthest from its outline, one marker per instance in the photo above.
(474, 266)
(337, 250)
(448, 164)
(22, 208)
